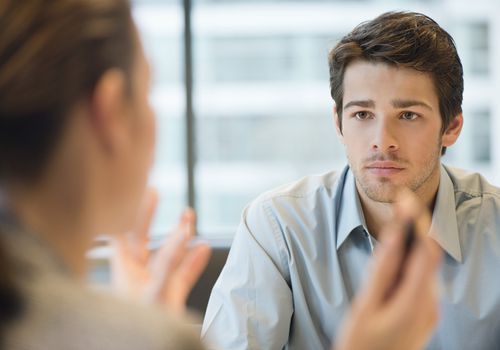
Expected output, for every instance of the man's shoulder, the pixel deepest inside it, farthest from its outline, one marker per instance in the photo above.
(468, 184)
(324, 184)
(297, 201)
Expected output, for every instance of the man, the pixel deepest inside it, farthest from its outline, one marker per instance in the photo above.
(301, 251)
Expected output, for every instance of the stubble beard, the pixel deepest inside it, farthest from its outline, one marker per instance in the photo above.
(383, 190)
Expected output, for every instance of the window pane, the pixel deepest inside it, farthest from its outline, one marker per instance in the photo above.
(479, 48)
(262, 106)
(482, 137)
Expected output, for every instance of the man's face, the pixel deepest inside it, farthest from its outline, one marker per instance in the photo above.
(391, 129)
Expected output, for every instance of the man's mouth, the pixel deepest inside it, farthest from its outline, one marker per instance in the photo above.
(384, 168)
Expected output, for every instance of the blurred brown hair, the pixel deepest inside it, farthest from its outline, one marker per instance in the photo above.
(404, 39)
(52, 53)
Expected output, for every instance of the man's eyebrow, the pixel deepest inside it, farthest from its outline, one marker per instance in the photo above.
(360, 103)
(410, 103)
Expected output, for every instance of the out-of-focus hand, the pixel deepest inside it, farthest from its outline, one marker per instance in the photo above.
(167, 275)
(393, 310)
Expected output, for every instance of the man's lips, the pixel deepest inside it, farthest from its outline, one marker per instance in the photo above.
(384, 168)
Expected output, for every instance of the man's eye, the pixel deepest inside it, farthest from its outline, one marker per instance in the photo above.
(409, 116)
(362, 115)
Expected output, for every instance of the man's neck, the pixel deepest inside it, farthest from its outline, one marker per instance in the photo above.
(378, 214)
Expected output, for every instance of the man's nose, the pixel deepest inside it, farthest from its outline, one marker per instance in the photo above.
(385, 138)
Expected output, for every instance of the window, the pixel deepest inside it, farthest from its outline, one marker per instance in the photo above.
(161, 29)
(261, 101)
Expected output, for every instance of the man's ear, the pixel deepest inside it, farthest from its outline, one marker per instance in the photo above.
(107, 108)
(338, 127)
(453, 130)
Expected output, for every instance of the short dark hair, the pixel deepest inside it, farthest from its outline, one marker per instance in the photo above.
(404, 39)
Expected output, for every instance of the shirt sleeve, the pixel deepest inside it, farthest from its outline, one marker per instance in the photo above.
(251, 303)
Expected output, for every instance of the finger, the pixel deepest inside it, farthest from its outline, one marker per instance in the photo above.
(188, 218)
(147, 211)
(166, 260)
(188, 272)
(123, 267)
(119, 246)
(420, 271)
(140, 237)
(409, 208)
(387, 263)
(419, 318)
(185, 227)
(162, 267)
(422, 263)
(427, 315)
(194, 264)
(177, 245)
(168, 256)
(384, 268)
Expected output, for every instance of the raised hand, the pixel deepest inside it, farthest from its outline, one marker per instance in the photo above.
(167, 275)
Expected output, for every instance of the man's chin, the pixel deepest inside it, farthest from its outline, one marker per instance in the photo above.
(381, 192)
(382, 198)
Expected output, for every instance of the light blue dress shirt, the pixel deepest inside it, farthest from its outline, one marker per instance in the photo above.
(301, 252)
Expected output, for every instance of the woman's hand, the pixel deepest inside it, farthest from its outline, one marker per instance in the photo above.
(167, 275)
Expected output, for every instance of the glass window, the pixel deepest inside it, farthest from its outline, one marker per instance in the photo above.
(261, 99)
(479, 48)
(481, 135)
(263, 111)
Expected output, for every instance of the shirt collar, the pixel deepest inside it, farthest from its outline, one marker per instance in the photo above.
(444, 228)
(350, 215)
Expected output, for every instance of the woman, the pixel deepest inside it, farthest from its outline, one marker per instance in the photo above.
(76, 140)
(76, 144)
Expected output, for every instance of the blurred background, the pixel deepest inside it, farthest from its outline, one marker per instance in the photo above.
(255, 110)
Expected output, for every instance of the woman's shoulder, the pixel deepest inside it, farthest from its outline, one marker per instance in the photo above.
(61, 313)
